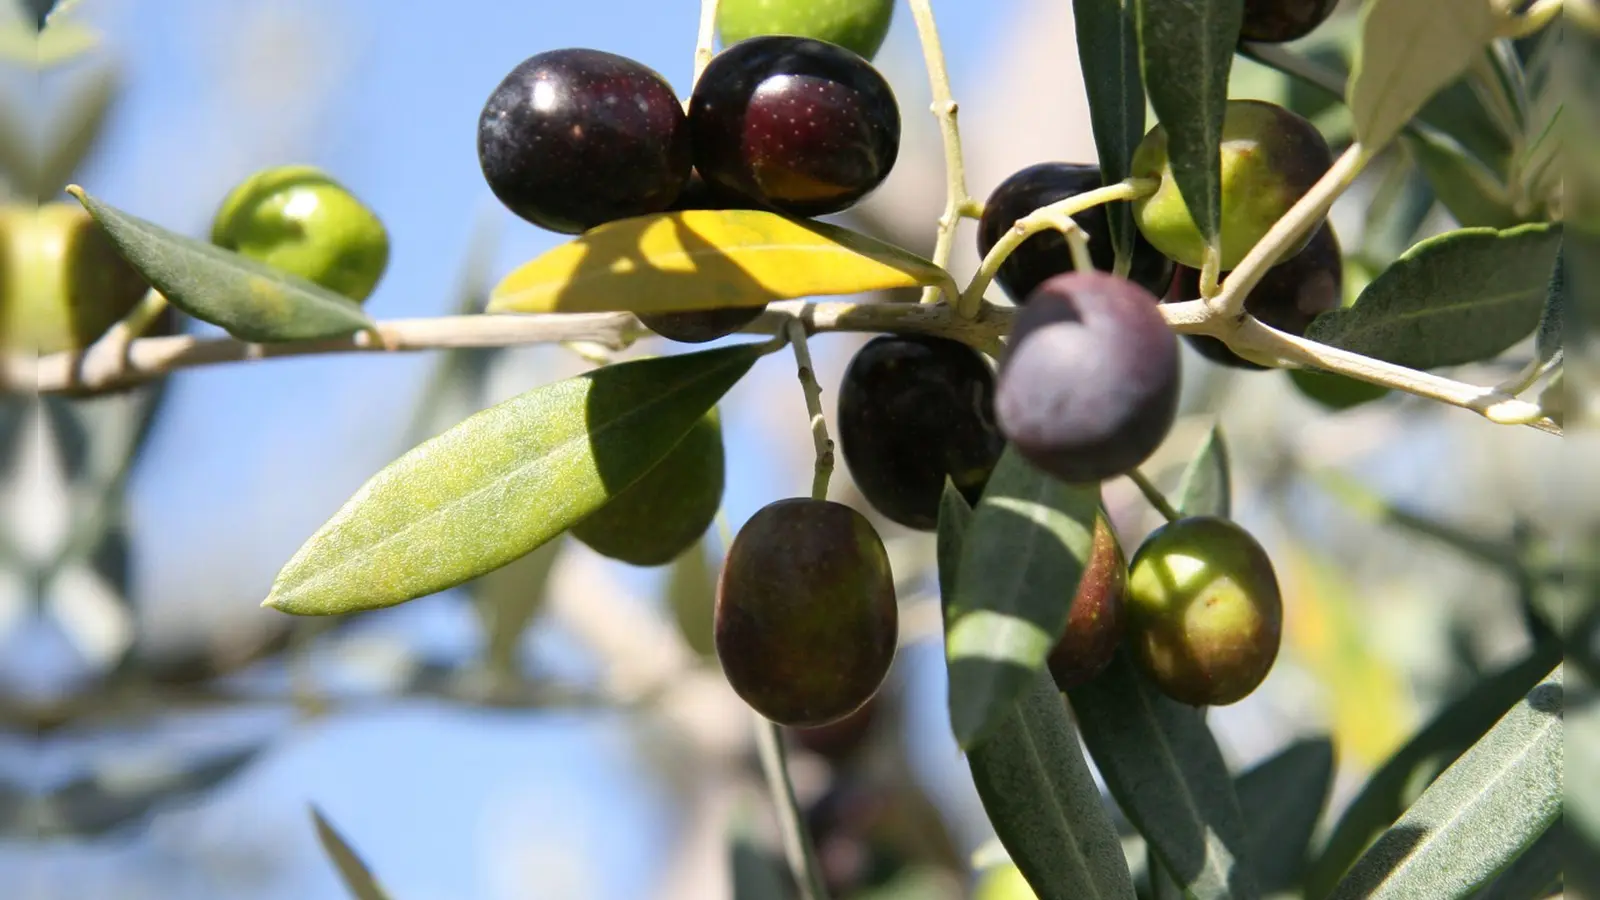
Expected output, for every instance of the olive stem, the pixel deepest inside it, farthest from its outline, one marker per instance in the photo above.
(111, 349)
(1057, 215)
(1152, 494)
(957, 201)
(1291, 227)
(819, 423)
(706, 39)
(796, 843)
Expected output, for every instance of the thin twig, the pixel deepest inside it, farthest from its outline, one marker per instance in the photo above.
(706, 40)
(1154, 495)
(957, 201)
(819, 423)
(796, 843)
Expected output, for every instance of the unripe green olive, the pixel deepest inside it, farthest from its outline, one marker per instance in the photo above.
(298, 219)
(62, 281)
(856, 25)
(1270, 158)
(1205, 616)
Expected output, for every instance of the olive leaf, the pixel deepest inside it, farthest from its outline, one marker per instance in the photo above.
(955, 517)
(1536, 873)
(504, 481)
(1021, 560)
(1165, 770)
(1471, 191)
(708, 259)
(353, 871)
(1436, 745)
(1186, 52)
(1479, 815)
(76, 132)
(251, 300)
(1206, 488)
(1037, 791)
(1408, 52)
(1108, 53)
(1455, 298)
(1282, 799)
(1547, 339)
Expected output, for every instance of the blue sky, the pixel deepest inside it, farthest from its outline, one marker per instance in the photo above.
(249, 459)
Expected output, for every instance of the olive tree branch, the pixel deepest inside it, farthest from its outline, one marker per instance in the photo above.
(957, 202)
(152, 357)
(807, 373)
(796, 843)
(1057, 215)
(706, 39)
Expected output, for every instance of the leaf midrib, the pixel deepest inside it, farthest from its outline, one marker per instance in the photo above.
(1377, 325)
(561, 449)
(1032, 748)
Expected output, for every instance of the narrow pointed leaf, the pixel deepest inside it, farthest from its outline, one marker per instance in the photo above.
(1108, 52)
(1207, 487)
(251, 300)
(1440, 742)
(707, 259)
(357, 878)
(1186, 52)
(1167, 774)
(955, 517)
(1021, 562)
(76, 132)
(1037, 791)
(1547, 340)
(1459, 297)
(503, 482)
(1408, 51)
(1282, 799)
(1472, 193)
(1479, 815)
(1535, 874)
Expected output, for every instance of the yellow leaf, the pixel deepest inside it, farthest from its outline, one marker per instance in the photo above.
(708, 259)
(1409, 50)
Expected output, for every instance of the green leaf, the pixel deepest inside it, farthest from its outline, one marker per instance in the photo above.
(955, 518)
(1021, 562)
(1478, 816)
(1456, 298)
(1043, 803)
(708, 259)
(353, 872)
(1282, 799)
(507, 600)
(76, 132)
(251, 300)
(1166, 772)
(692, 595)
(1547, 338)
(1446, 736)
(1534, 875)
(1408, 51)
(1108, 52)
(1207, 488)
(1186, 52)
(503, 482)
(1471, 191)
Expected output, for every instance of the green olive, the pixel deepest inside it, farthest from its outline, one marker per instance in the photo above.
(298, 219)
(62, 281)
(1270, 158)
(856, 25)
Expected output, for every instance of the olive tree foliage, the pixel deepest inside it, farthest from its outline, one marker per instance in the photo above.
(1467, 131)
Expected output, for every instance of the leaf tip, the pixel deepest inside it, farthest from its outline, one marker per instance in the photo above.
(78, 192)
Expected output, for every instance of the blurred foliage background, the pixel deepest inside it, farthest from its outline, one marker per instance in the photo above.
(557, 728)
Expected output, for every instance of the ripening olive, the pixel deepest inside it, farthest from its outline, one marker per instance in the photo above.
(1095, 625)
(62, 281)
(1204, 611)
(664, 513)
(299, 220)
(806, 622)
(1270, 158)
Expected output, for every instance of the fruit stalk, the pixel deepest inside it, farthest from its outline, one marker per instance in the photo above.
(1057, 215)
(796, 843)
(706, 40)
(957, 202)
(1294, 225)
(113, 345)
(1154, 496)
(819, 424)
